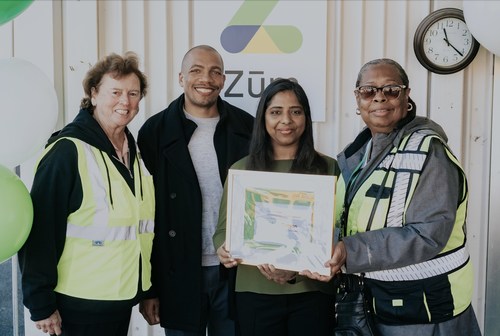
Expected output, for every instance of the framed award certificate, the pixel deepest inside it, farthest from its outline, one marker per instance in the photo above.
(282, 219)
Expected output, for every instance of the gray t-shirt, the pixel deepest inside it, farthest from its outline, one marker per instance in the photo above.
(202, 150)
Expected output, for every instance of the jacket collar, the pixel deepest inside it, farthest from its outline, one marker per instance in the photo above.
(179, 128)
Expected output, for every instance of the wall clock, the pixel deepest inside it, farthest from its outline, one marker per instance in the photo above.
(443, 43)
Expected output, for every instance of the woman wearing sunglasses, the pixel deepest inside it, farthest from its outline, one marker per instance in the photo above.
(401, 213)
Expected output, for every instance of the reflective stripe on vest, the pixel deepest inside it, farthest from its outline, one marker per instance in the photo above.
(405, 164)
(108, 243)
(100, 231)
(427, 269)
(106, 233)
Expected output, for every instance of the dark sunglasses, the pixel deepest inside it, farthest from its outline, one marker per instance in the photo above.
(390, 91)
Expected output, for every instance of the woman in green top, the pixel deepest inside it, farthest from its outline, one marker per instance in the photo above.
(272, 301)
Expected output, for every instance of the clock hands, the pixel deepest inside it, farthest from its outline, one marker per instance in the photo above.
(449, 44)
(446, 37)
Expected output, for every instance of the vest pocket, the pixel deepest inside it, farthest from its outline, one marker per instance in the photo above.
(399, 302)
(369, 209)
(377, 191)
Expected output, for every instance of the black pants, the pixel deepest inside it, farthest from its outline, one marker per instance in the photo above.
(310, 313)
(115, 328)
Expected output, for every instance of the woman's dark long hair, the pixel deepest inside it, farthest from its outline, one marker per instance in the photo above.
(261, 155)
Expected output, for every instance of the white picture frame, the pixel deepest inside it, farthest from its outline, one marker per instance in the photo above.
(282, 219)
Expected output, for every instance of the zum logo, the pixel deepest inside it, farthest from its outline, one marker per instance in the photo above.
(256, 82)
(246, 32)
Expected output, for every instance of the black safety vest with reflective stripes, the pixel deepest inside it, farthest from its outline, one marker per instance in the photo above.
(381, 201)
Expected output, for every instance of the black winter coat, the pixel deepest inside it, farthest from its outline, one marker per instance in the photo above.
(176, 260)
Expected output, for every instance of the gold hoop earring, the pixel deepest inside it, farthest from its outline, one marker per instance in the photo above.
(410, 107)
(358, 112)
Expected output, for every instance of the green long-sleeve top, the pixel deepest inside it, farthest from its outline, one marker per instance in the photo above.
(249, 278)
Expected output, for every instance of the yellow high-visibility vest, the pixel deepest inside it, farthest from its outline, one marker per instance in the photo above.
(109, 238)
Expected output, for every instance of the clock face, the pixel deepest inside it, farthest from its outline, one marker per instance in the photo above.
(443, 43)
(447, 42)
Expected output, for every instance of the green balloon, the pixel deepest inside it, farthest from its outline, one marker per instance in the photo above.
(9, 9)
(16, 213)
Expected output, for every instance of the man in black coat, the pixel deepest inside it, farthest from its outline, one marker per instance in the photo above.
(188, 148)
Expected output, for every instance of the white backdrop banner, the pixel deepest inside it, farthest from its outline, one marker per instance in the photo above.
(264, 40)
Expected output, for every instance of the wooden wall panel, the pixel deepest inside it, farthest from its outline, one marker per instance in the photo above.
(79, 51)
(492, 276)
(374, 23)
(351, 59)
(111, 26)
(134, 30)
(417, 74)
(477, 144)
(156, 60)
(181, 40)
(396, 31)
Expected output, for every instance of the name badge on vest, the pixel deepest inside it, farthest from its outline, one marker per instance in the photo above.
(97, 242)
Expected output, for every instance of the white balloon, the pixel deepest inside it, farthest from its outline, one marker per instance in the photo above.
(483, 19)
(28, 110)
